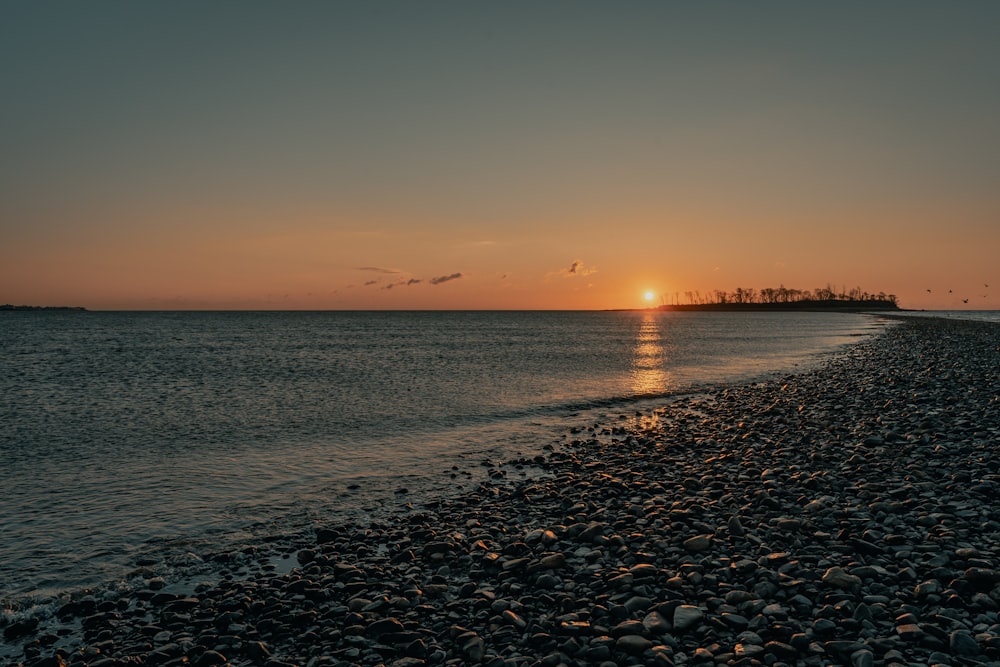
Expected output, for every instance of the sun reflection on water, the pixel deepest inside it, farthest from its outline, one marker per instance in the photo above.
(648, 376)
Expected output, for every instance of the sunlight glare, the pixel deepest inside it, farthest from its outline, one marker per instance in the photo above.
(649, 296)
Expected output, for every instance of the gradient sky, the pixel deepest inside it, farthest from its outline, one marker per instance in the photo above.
(192, 155)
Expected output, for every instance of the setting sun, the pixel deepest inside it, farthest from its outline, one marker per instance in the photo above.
(649, 296)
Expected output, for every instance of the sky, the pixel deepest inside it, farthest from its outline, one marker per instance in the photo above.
(496, 155)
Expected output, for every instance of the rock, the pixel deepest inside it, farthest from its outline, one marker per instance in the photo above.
(384, 626)
(839, 578)
(736, 622)
(592, 532)
(687, 616)
(655, 624)
(961, 642)
(209, 658)
(864, 547)
(702, 655)
(748, 651)
(474, 648)
(698, 543)
(547, 582)
(19, 629)
(408, 661)
(553, 561)
(326, 536)
(513, 619)
(52, 661)
(862, 658)
(981, 579)
(638, 603)
(633, 644)
(928, 588)
(910, 632)
(643, 571)
(781, 650)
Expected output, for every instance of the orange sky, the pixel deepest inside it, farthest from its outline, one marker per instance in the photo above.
(563, 155)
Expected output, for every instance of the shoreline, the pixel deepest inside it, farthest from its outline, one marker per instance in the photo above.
(843, 515)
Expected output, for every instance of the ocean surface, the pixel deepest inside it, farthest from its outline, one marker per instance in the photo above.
(130, 438)
(974, 315)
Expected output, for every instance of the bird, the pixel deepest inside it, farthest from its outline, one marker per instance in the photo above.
(965, 301)
(928, 291)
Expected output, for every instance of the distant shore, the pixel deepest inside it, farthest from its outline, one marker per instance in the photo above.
(797, 306)
(842, 515)
(805, 305)
(8, 306)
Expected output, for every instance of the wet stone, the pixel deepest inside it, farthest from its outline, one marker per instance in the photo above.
(910, 632)
(735, 621)
(839, 578)
(781, 650)
(863, 658)
(687, 616)
(961, 642)
(633, 644)
(655, 623)
(638, 603)
(698, 543)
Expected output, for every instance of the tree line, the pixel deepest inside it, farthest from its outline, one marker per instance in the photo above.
(780, 294)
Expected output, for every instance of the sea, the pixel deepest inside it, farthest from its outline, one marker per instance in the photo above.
(131, 438)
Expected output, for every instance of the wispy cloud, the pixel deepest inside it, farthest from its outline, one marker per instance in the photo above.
(443, 279)
(378, 269)
(403, 280)
(576, 269)
(404, 283)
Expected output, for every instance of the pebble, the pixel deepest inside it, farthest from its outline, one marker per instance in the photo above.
(686, 616)
(843, 515)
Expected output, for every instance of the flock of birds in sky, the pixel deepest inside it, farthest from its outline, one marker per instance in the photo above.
(966, 300)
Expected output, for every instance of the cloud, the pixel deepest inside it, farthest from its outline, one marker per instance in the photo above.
(378, 269)
(577, 269)
(404, 283)
(443, 279)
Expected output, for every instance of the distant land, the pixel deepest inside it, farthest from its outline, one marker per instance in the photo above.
(849, 305)
(8, 306)
(782, 298)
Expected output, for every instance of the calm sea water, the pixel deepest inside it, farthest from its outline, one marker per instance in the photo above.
(129, 436)
(975, 315)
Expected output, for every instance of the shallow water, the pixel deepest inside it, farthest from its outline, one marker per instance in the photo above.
(146, 435)
(974, 315)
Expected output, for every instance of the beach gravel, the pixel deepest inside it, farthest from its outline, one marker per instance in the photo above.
(845, 515)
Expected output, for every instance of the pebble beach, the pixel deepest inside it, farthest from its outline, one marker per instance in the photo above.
(845, 515)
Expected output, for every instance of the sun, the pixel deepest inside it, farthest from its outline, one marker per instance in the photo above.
(649, 296)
